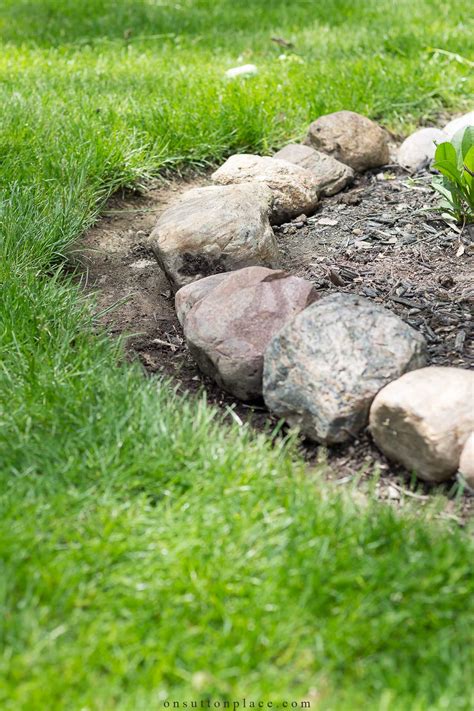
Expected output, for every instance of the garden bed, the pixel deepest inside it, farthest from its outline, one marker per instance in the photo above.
(381, 239)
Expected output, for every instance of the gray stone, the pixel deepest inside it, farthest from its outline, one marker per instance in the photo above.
(215, 229)
(418, 150)
(322, 371)
(350, 138)
(295, 189)
(423, 420)
(331, 174)
(228, 329)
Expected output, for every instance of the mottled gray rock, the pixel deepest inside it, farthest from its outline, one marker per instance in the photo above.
(322, 370)
(350, 138)
(295, 189)
(423, 420)
(228, 329)
(466, 463)
(331, 174)
(215, 229)
(189, 295)
(418, 150)
(459, 123)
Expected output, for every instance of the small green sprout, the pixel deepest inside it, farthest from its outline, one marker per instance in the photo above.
(455, 161)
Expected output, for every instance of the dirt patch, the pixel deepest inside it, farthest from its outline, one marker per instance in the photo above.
(380, 239)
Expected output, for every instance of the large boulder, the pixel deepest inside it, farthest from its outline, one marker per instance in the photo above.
(350, 138)
(331, 174)
(215, 229)
(228, 329)
(423, 420)
(418, 150)
(322, 370)
(295, 189)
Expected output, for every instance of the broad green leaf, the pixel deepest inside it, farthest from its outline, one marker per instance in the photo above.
(462, 141)
(467, 142)
(468, 178)
(446, 152)
(469, 159)
(449, 170)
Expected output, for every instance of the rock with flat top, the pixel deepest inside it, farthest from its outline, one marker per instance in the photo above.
(418, 150)
(215, 229)
(322, 370)
(423, 419)
(350, 138)
(295, 189)
(228, 329)
(331, 174)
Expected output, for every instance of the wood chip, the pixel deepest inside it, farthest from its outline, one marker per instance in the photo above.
(326, 221)
(459, 342)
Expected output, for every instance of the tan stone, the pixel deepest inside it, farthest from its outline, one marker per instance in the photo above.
(229, 328)
(295, 189)
(423, 420)
(350, 138)
(331, 174)
(215, 229)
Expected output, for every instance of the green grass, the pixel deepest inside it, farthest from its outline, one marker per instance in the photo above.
(147, 550)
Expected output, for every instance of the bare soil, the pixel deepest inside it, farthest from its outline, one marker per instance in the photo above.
(381, 238)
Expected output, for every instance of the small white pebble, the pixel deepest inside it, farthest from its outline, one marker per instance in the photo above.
(244, 70)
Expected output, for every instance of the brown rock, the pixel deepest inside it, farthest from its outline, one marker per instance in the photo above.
(466, 463)
(295, 189)
(323, 369)
(229, 328)
(351, 138)
(331, 174)
(215, 229)
(423, 420)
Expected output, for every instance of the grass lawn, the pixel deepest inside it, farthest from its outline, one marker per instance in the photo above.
(147, 551)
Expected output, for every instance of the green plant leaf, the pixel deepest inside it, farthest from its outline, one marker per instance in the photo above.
(468, 177)
(469, 160)
(443, 187)
(446, 152)
(450, 202)
(467, 142)
(449, 162)
(462, 141)
(449, 170)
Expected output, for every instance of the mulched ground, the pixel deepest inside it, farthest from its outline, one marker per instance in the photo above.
(381, 239)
